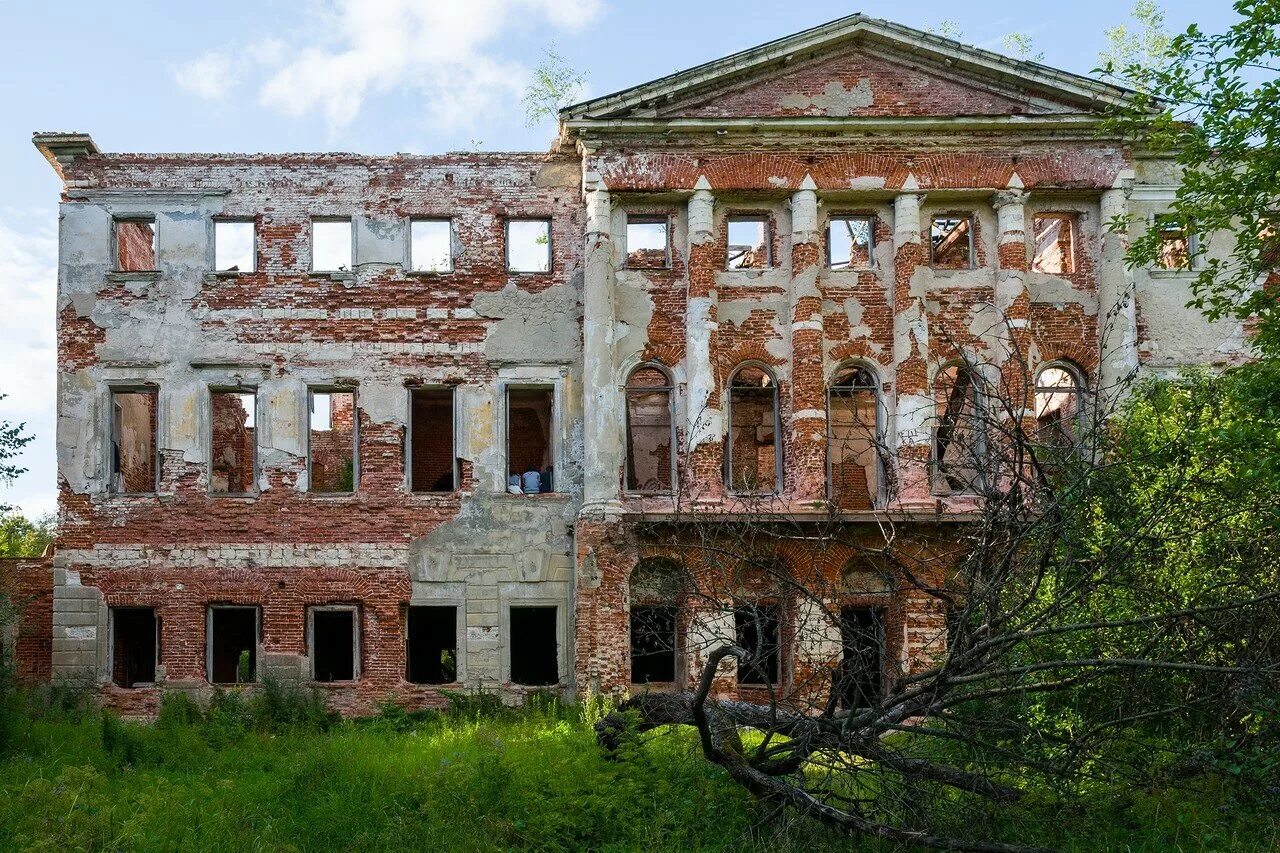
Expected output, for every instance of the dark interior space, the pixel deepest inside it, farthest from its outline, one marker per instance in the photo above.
(333, 645)
(757, 629)
(431, 435)
(432, 649)
(653, 644)
(862, 634)
(234, 632)
(534, 659)
(133, 649)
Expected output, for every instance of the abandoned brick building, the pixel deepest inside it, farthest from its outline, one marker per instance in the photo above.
(386, 424)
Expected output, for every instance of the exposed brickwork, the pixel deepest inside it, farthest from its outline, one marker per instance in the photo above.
(28, 585)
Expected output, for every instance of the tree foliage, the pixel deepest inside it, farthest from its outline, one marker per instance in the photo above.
(13, 437)
(23, 537)
(555, 86)
(1145, 45)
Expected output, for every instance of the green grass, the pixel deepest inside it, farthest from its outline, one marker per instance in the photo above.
(477, 779)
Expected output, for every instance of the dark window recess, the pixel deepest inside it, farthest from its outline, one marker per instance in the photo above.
(431, 436)
(861, 670)
(533, 644)
(653, 644)
(234, 645)
(432, 651)
(133, 646)
(757, 630)
(529, 429)
(333, 645)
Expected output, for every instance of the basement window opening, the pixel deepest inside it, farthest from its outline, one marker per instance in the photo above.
(431, 653)
(234, 246)
(1055, 243)
(849, 242)
(758, 632)
(136, 247)
(951, 242)
(647, 245)
(529, 245)
(233, 442)
(431, 245)
(331, 447)
(650, 432)
(331, 249)
(653, 644)
(534, 646)
(134, 455)
(135, 641)
(748, 243)
(432, 465)
(862, 664)
(335, 644)
(530, 422)
(233, 645)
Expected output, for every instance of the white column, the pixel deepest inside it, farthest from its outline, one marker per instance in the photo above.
(603, 414)
(703, 424)
(1117, 302)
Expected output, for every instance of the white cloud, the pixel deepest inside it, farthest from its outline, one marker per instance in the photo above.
(29, 245)
(445, 49)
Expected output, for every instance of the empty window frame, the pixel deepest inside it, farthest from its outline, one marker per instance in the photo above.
(1059, 404)
(758, 631)
(951, 242)
(959, 442)
(134, 455)
(135, 243)
(1055, 243)
(431, 245)
(853, 439)
(534, 645)
(529, 245)
(334, 642)
(234, 245)
(530, 445)
(1269, 241)
(135, 643)
(331, 245)
(648, 245)
(231, 647)
(653, 643)
(232, 442)
(850, 242)
(753, 463)
(431, 644)
(749, 244)
(1179, 245)
(650, 431)
(861, 670)
(433, 466)
(331, 441)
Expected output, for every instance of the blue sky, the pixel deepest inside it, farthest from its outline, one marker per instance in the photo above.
(374, 76)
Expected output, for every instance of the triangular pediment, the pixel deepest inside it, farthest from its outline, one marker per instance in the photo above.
(856, 67)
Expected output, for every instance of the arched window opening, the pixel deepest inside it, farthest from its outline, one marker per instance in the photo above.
(853, 439)
(1059, 404)
(657, 592)
(753, 462)
(650, 466)
(959, 446)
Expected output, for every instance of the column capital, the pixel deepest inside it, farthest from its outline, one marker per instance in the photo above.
(1004, 198)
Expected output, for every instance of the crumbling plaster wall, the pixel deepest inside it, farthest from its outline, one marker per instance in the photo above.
(282, 329)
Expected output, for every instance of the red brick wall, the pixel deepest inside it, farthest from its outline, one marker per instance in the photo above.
(28, 584)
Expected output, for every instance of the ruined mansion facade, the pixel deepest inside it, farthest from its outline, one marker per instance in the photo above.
(392, 425)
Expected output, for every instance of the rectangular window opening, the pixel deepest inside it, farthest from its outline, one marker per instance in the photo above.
(951, 242)
(534, 646)
(530, 425)
(136, 244)
(335, 647)
(849, 242)
(233, 645)
(134, 640)
(332, 442)
(1179, 245)
(1055, 243)
(757, 629)
(648, 247)
(433, 466)
(331, 245)
(431, 654)
(233, 439)
(862, 664)
(234, 246)
(748, 243)
(653, 644)
(134, 459)
(431, 245)
(528, 245)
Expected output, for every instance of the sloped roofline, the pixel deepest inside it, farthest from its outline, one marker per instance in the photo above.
(1055, 83)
